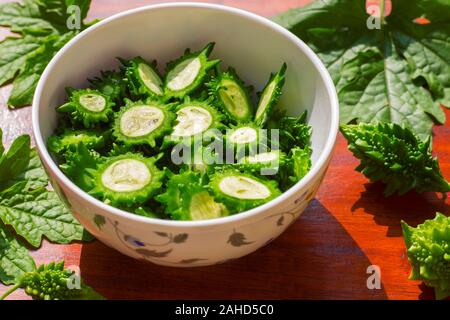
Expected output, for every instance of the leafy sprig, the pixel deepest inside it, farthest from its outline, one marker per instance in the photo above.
(30, 211)
(43, 29)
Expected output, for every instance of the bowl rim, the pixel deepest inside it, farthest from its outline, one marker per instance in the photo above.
(313, 172)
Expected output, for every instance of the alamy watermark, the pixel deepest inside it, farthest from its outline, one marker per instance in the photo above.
(374, 280)
(213, 147)
(74, 20)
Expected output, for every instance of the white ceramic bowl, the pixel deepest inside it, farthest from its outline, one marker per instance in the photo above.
(255, 46)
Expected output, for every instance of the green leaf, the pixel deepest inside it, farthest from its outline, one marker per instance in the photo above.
(427, 51)
(25, 83)
(25, 18)
(15, 161)
(378, 72)
(395, 156)
(45, 27)
(13, 54)
(40, 17)
(38, 213)
(15, 260)
(34, 173)
(379, 88)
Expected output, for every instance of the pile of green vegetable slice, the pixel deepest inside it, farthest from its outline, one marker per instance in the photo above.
(148, 144)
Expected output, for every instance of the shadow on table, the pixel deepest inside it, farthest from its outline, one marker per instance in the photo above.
(412, 207)
(314, 259)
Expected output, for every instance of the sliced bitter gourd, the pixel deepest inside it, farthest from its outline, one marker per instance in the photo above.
(295, 168)
(70, 138)
(88, 107)
(187, 73)
(242, 191)
(245, 139)
(195, 118)
(144, 79)
(264, 163)
(232, 95)
(187, 199)
(81, 165)
(127, 180)
(142, 123)
(112, 84)
(270, 96)
(202, 159)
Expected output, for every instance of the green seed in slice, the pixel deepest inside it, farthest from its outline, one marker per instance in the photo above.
(127, 180)
(270, 96)
(232, 95)
(142, 123)
(88, 107)
(242, 191)
(187, 73)
(144, 80)
(245, 139)
(195, 118)
(264, 163)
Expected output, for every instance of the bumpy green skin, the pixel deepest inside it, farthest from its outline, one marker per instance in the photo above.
(150, 138)
(79, 114)
(51, 282)
(136, 84)
(127, 198)
(216, 123)
(237, 205)
(250, 148)
(206, 65)
(296, 166)
(112, 84)
(220, 85)
(395, 156)
(80, 166)
(265, 168)
(278, 80)
(293, 132)
(429, 253)
(69, 139)
(181, 189)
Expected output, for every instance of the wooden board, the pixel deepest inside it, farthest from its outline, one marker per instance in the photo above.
(325, 255)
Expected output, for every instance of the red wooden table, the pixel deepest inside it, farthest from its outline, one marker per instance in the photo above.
(325, 255)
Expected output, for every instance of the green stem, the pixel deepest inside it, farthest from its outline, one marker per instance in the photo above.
(14, 288)
(382, 6)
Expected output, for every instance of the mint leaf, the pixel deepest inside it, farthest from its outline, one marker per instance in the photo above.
(381, 74)
(15, 260)
(38, 213)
